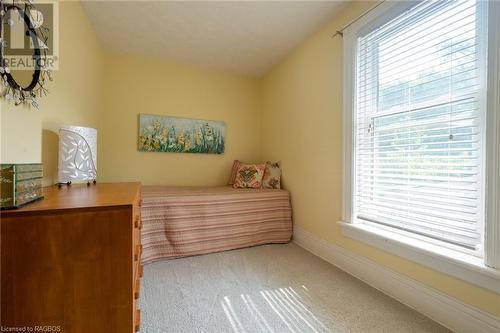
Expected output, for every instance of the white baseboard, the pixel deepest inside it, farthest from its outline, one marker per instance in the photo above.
(442, 308)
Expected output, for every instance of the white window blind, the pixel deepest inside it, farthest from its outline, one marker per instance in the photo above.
(419, 111)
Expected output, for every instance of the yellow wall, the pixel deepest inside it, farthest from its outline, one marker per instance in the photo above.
(30, 135)
(107, 92)
(302, 126)
(140, 85)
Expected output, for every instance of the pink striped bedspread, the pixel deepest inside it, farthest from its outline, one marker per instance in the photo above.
(186, 221)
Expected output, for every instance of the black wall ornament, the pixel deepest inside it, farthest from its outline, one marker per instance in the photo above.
(13, 89)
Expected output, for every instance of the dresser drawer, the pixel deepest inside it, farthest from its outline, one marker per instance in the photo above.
(136, 310)
(136, 237)
(137, 252)
(138, 270)
(137, 320)
(137, 210)
(137, 288)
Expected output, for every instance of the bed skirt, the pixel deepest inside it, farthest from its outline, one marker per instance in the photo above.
(186, 221)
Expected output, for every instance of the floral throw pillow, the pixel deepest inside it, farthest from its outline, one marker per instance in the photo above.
(234, 170)
(249, 176)
(272, 175)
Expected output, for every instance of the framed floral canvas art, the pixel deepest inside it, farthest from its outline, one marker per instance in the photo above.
(180, 135)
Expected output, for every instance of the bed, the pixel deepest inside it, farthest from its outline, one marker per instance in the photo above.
(186, 221)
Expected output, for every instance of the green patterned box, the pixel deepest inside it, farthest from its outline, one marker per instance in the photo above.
(20, 184)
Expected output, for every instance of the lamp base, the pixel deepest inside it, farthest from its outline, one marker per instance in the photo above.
(59, 185)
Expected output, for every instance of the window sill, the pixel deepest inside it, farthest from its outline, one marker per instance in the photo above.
(453, 263)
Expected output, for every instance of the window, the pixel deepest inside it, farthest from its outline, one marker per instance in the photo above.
(418, 93)
(419, 132)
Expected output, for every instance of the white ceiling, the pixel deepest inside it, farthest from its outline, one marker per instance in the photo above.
(244, 37)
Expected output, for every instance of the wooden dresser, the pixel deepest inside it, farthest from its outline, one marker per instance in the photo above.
(71, 262)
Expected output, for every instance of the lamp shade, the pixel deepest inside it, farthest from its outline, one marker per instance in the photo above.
(77, 154)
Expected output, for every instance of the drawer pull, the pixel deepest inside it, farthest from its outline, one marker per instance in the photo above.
(137, 222)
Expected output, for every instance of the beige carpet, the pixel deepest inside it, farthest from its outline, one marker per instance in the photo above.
(271, 288)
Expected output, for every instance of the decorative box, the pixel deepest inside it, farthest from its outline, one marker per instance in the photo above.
(20, 184)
